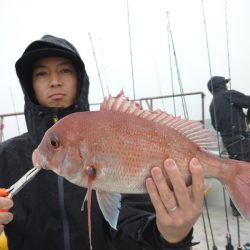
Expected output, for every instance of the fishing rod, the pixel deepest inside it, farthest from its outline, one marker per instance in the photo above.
(209, 222)
(205, 230)
(230, 84)
(229, 76)
(229, 245)
(14, 108)
(178, 70)
(130, 48)
(99, 75)
(227, 41)
(159, 84)
(170, 64)
(104, 68)
(238, 233)
(210, 69)
(210, 72)
(170, 36)
(1, 129)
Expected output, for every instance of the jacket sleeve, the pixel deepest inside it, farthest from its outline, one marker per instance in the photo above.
(239, 99)
(137, 223)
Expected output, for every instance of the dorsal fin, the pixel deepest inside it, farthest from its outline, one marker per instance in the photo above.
(192, 130)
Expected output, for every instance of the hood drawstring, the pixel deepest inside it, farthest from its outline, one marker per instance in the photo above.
(55, 119)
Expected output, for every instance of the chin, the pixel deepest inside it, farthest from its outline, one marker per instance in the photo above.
(58, 105)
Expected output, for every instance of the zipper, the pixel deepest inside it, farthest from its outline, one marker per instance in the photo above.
(65, 223)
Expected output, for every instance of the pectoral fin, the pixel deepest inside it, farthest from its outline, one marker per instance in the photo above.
(110, 204)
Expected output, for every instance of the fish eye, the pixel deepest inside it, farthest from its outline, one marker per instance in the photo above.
(55, 141)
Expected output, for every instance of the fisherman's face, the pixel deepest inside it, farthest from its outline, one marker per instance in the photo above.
(54, 82)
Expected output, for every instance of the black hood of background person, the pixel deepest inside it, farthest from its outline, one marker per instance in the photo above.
(217, 83)
(38, 118)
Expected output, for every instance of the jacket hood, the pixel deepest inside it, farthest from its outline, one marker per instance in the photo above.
(217, 83)
(45, 47)
(38, 118)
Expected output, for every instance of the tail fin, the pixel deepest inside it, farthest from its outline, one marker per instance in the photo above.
(237, 183)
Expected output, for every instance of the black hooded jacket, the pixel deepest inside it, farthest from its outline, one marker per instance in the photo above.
(47, 211)
(226, 111)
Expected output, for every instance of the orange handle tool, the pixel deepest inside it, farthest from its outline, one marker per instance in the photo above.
(16, 187)
(4, 193)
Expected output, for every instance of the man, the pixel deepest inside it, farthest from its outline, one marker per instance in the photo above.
(228, 118)
(47, 212)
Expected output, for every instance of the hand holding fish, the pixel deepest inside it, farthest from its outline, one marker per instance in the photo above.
(5, 216)
(176, 211)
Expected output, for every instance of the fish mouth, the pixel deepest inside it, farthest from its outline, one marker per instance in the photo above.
(39, 161)
(42, 165)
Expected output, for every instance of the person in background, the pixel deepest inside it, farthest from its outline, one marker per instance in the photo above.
(229, 119)
(47, 214)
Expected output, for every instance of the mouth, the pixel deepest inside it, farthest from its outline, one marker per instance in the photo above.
(57, 96)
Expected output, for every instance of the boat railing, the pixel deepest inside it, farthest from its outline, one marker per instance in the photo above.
(12, 124)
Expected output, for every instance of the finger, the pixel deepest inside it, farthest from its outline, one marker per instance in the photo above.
(166, 195)
(1, 228)
(155, 197)
(197, 182)
(5, 203)
(178, 183)
(5, 218)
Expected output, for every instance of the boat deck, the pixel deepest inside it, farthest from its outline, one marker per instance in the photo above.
(217, 215)
(219, 228)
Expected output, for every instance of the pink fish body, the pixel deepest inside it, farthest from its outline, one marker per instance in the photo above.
(113, 150)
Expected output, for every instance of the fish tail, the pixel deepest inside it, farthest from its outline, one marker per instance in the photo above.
(238, 185)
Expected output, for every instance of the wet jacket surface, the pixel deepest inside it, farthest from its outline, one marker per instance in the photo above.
(47, 211)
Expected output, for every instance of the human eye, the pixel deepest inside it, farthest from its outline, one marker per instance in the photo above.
(40, 73)
(67, 70)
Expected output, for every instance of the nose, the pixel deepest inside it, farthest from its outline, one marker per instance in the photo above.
(55, 81)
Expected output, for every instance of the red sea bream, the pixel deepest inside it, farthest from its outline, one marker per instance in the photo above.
(113, 150)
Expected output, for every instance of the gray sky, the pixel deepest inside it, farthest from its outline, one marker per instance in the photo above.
(21, 22)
